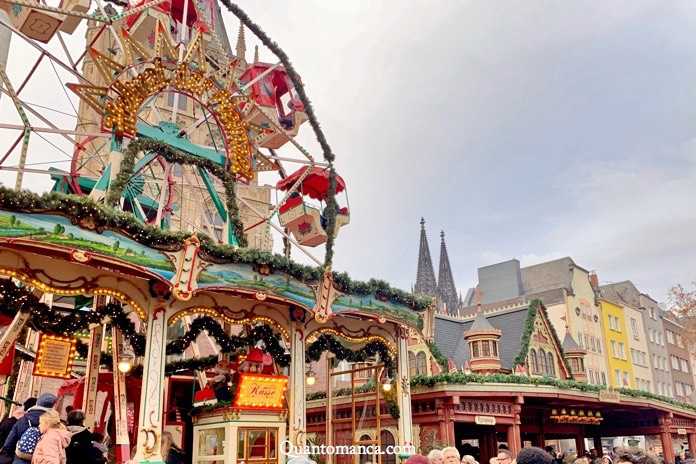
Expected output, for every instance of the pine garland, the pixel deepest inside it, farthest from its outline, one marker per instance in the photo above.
(231, 343)
(100, 217)
(534, 307)
(178, 157)
(331, 206)
(439, 357)
(329, 343)
(14, 299)
(460, 378)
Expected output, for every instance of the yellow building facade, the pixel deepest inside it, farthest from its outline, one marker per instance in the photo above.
(617, 342)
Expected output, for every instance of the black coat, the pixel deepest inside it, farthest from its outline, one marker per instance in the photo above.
(81, 450)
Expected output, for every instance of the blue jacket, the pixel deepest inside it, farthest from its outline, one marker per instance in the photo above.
(32, 415)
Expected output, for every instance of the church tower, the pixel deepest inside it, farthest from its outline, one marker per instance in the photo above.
(446, 290)
(425, 274)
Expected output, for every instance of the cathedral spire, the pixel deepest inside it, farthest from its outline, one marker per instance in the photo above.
(241, 44)
(425, 275)
(446, 290)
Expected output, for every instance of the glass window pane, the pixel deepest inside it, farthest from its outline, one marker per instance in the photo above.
(271, 444)
(210, 442)
(240, 444)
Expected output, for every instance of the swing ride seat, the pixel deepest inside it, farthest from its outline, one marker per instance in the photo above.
(277, 138)
(70, 23)
(342, 219)
(292, 212)
(308, 231)
(34, 23)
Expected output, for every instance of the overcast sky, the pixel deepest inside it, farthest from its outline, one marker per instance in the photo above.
(526, 129)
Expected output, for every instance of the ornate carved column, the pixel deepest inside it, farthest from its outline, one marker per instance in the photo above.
(666, 438)
(296, 398)
(120, 400)
(403, 389)
(89, 398)
(514, 437)
(152, 391)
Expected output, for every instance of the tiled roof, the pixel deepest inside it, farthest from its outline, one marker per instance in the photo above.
(449, 335)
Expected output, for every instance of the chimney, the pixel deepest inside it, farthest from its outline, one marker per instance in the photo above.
(594, 280)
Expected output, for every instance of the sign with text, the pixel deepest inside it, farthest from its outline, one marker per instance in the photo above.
(256, 391)
(484, 420)
(55, 356)
(609, 396)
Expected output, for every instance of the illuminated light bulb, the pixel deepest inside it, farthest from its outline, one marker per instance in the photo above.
(386, 386)
(124, 366)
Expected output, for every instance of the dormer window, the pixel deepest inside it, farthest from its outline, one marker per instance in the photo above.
(483, 349)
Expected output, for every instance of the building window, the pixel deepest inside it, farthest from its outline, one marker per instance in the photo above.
(421, 364)
(617, 376)
(613, 349)
(604, 379)
(485, 349)
(475, 350)
(580, 339)
(678, 389)
(675, 362)
(534, 361)
(592, 377)
(387, 440)
(651, 335)
(670, 336)
(626, 381)
(411, 364)
(543, 364)
(680, 342)
(652, 313)
(684, 365)
(494, 348)
(552, 367)
(634, 329)
(622, 353)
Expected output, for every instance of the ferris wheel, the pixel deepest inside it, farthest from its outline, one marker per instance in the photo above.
(168, 122)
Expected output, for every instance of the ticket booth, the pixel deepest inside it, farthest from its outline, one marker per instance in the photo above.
(250, 429)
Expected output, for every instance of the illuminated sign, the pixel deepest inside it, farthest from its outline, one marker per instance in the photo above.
(55, 356)
(257, 391)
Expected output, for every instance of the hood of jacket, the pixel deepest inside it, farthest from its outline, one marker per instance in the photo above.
(75, 429)
(61, 436)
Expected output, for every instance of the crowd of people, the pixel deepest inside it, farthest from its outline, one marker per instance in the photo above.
(35, 434)
(534, 455)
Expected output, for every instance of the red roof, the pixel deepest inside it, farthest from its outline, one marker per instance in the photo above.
(315, 184)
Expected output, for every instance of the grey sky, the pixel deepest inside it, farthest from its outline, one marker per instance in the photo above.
(525, 129)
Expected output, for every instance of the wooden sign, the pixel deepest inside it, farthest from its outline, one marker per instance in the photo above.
(484, 420)
(55, 356)
(257, 391)
(609, 396)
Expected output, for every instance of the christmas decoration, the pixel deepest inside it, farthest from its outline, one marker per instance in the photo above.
(329, 343)
(232, 343)
(98, 217)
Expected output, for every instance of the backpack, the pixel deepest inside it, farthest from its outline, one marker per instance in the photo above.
(27, 442)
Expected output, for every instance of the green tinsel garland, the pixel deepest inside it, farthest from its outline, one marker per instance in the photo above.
(177, 157)
(102, 217)
(461, 378)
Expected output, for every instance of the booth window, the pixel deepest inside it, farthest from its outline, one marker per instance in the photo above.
(257, 445)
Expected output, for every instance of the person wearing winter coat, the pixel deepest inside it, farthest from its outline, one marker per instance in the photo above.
(81, 450)
(30, 419)
(54, 439)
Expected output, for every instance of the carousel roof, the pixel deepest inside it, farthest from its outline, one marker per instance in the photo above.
(66, 224)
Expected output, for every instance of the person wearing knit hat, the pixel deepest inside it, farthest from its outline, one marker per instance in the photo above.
(30, 419)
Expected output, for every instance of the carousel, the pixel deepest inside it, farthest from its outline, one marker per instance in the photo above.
(139, 281)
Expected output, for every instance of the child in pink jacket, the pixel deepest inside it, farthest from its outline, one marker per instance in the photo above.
(54, 439)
